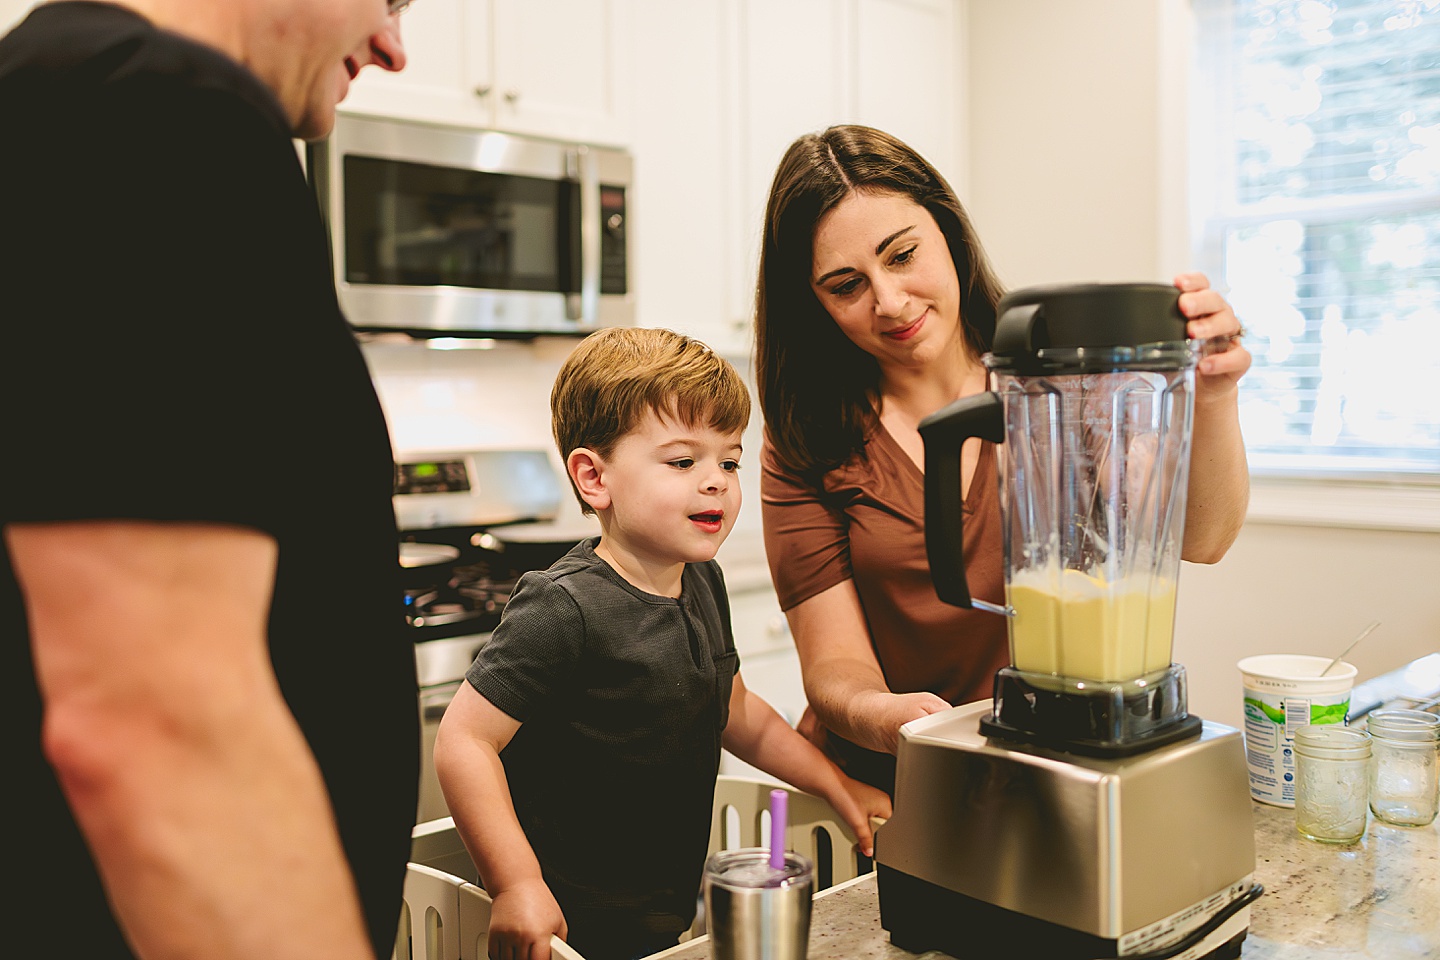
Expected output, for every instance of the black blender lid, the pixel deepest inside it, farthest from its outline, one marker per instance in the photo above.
(1089, 326)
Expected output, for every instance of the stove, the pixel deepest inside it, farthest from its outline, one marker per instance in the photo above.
(452, 614)
(453, 510)
(471, 523)
(462, 594)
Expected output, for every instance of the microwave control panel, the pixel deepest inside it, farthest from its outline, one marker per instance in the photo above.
(612, 239)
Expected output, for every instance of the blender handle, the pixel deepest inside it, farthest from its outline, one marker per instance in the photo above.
(983, 416)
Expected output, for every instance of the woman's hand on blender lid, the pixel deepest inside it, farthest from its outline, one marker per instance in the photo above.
(1212, 320)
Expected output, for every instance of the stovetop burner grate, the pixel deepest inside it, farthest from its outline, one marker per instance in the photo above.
(472, 605)
(466, 597)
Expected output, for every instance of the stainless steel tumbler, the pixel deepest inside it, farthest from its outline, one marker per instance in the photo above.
(755, 911)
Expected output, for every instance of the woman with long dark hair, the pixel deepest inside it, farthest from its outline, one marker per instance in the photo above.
(874, 304)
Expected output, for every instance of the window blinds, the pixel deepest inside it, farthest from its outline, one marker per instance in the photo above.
(1317, 169)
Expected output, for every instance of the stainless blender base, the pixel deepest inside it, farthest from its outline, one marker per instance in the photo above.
(1100, 847)
(922, 916)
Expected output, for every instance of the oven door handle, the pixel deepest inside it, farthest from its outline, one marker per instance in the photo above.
(434, 700)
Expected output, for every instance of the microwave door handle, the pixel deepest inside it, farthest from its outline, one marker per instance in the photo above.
(585, 166)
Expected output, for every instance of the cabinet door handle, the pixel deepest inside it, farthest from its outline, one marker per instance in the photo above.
(483, 90)
(511, 96)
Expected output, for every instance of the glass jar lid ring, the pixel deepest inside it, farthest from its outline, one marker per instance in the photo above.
(1409, 725)
(1333, 741)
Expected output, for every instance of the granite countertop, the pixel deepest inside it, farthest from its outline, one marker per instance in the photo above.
(1377, 899)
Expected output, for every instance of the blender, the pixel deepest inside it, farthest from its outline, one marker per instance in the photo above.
(1082, 812)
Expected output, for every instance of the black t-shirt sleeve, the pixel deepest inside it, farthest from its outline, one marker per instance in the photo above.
(533, 652)
(135, 326)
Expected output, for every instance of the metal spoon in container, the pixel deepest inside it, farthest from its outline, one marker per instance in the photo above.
(1353, 643)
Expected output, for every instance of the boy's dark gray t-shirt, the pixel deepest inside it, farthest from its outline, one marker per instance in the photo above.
(622, 697)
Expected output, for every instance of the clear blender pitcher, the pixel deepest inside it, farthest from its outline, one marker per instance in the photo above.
(1091, 407)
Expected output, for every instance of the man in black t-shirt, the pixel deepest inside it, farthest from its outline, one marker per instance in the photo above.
(212, 739)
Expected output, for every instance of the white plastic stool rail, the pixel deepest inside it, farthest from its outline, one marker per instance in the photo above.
(446, 915)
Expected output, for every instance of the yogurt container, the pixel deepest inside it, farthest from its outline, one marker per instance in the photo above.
(1284, 692)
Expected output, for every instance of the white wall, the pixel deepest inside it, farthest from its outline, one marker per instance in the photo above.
(1063, 170)
(1076, 149)
(1288, 588)
(438, 400)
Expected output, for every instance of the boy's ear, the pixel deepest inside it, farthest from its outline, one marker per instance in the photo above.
(587, 472)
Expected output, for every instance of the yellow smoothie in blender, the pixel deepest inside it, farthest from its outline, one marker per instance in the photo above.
(1083, 627)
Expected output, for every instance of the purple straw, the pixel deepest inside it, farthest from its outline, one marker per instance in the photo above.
(778, 817)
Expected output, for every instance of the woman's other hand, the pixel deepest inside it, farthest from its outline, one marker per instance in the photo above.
(883, 714)
(844, 684)
(1211, 318)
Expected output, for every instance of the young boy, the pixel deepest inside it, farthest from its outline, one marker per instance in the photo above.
(579, 761)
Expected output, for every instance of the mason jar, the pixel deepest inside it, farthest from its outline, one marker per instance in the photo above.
(1332, 779)
(1404, 779)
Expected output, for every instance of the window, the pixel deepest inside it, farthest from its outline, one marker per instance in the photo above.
(1317, 178)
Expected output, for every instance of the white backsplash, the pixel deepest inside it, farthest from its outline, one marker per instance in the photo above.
(499, 399)
(438, 400)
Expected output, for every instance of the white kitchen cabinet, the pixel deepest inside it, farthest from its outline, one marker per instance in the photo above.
(549, 68)
(793, 69)
(447, 50)
(809, 64)
(722, 88)
(561, 68)
(681, 217)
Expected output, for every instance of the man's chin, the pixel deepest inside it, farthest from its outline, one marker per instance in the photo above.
(311, 127)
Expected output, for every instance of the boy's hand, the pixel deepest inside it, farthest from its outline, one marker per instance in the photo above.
(522, 920)
(857, 805)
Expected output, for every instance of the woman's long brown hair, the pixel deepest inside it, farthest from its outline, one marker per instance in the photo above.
(818, 391)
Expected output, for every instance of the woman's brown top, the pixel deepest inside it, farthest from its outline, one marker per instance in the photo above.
(865, 521)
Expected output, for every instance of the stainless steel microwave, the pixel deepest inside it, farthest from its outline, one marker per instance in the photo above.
(450, 232)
